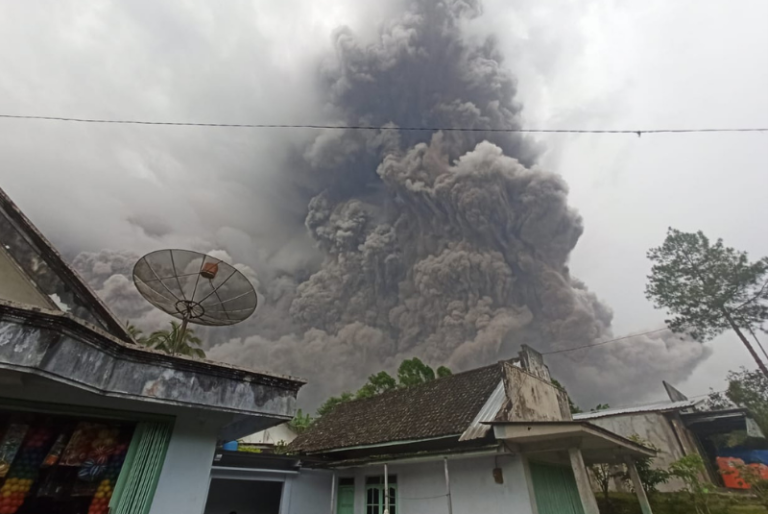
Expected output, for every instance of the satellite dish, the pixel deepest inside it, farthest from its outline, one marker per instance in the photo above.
(195, 288)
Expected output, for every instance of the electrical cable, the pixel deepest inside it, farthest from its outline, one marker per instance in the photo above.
(603, 342)
(637, 132)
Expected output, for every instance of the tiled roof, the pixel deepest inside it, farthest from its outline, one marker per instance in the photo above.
(442, 407)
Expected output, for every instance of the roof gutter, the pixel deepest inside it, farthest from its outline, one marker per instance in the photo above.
(383, 445)
(423, 457)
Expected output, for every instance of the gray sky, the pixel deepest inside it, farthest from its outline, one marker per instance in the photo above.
(580, 64)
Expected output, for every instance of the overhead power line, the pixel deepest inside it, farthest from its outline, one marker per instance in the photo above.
(637, 132)
(604, 342)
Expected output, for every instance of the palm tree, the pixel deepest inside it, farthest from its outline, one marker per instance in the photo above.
(135, 333)
(171, 341)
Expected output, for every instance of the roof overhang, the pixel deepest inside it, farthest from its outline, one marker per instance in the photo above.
(658, 408)
(597, 445)
(706, 423)
(50, 273)
(62, 348)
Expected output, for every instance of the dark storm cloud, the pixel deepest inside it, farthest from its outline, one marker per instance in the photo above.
(452, 246)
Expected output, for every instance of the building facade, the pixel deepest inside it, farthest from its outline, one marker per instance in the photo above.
(498, 439)
(92, 422)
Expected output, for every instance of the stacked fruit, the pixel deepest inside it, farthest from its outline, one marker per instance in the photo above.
(100, 502)
(12, 494)
(24, 469)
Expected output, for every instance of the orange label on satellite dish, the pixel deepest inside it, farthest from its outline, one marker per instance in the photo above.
(209, 270)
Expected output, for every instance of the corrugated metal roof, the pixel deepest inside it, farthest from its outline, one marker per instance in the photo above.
(489, 411)
(654, 407)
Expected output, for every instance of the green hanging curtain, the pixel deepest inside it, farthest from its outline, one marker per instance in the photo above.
(555, 489)
(138, 479)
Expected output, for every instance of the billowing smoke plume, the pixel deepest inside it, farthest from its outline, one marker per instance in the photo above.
(450, 246)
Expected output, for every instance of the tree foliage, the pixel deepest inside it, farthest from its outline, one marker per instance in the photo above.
(575, 409)
(300, 422)
(332, 402)
(410, 373)
(136, 333)
(690, 469)
(171, 341)
(413, 372)
(603, 474)
(708, 288)
(746, 389)
(749, 389)
(650, 477)
(379, 383)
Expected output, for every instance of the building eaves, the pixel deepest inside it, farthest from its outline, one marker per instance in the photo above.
(63, 348)
(656, 407)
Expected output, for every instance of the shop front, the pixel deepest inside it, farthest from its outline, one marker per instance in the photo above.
(69, 463)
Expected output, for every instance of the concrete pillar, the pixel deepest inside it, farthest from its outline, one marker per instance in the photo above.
(588, 500)
(645, 506)
(334, 482)
(448, 486)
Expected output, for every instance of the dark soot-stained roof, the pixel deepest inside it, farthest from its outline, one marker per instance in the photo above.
(442, 407)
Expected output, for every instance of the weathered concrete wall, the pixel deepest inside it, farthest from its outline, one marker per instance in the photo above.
(533, 362)
(34, 254)
(654, 428)
(16, 286)
(60, 349)
(532, 398)
(421, 486)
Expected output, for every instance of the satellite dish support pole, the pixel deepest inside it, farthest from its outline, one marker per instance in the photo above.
(182, 333)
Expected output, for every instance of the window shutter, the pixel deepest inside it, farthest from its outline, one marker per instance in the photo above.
(137, 482)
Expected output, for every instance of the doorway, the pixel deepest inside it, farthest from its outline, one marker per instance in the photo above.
(226, 496)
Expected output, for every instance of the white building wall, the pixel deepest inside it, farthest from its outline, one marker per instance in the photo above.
(184, 480)
(309, 492)
(421, 486)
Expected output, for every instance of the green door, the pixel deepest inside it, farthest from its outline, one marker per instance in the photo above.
(346, 501)
(555, 489)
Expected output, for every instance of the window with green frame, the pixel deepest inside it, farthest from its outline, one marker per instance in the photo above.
(374, 494)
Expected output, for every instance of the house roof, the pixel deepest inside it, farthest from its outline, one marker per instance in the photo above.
(50, 273)
(638, 409)
(442, 407)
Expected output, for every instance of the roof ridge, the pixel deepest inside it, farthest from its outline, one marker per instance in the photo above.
(410, 389)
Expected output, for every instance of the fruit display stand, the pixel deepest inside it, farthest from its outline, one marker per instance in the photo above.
(24, 470)
(59, 464)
